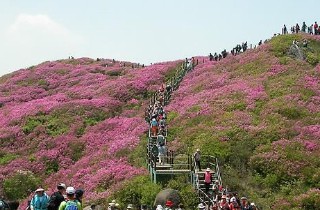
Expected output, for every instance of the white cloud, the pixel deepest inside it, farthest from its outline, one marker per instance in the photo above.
(31, 27)
(32, 39)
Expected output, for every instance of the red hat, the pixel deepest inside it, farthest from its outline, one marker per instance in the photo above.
(169, 203)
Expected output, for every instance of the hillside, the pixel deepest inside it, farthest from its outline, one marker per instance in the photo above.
(81, 121)
(73, 121)
(259, 112)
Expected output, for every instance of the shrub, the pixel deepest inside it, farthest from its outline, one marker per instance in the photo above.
(312, 59)
(138, 191)
(77, 149)
(20, 185)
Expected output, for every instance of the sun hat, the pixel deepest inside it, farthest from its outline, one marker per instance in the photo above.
(243, 198)
(130, 206)
(112, 204)
(169, 203)
(224, 197)
(208, 169)
(233, 199)
(252, 204)
(39, 189)
(62, 185)
(201, 206)
(70, 190)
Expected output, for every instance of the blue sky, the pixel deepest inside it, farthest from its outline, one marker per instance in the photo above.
(145, 31)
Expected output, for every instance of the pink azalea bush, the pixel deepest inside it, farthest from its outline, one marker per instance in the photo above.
(258, 112)
(75, 121)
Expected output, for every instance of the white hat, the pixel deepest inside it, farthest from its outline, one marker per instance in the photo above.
(111, 204)
(62, 185)
(130, 206)
(70, 190)
(159, 207)
(252, 204)
(233, 199)
(201, 206)
(113, 201)
(39, 190)
(208, 169)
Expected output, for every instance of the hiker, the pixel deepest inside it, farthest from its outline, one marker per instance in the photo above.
(4, 205)
(154, 127)
(310, 28)
(197, 158)
(305, 43)
(201, 206)
(215, 56)
(245, 204)
(57, 197)
(210, 57)
(159, 207)
(297, 28)
(234, 204)
(253, 206)
(70, 202)
(207, 180)
(144, 207)
(315, 26)
(40, 200)
(130, 206)
(162, 150)
(180, 206)
(284, 29)
(215, 189)
(304, 27)
(79, 195)
(223, 204)
(169, 205)
(112, 205)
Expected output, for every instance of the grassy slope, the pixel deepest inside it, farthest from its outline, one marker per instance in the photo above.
(259, 113)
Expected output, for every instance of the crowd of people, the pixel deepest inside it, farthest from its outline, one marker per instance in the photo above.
(65, 198)
(312, 29)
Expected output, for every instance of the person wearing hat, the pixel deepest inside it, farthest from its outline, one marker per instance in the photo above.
(223, 204)
(159, 207)
(234, 204)
(169, 205)
(40, 200)
(71, 201)
(112, 205)
(207, 180)
(201, 206)
(57, 197)
(245, 204)
(130, 206)
(154, 127)
(253, 206)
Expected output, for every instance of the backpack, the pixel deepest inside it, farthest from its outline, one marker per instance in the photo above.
(52, 202)
(71, 205)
